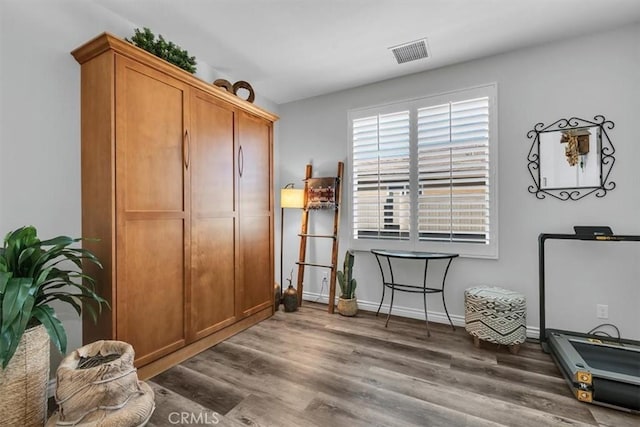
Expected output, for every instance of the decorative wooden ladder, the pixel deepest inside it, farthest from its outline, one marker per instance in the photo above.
(318, 195)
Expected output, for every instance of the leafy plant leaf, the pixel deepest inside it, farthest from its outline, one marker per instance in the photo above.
(10, 339)
(6, 343)
(4, 279)
(15, 295)
(61, 241)
(47, 317)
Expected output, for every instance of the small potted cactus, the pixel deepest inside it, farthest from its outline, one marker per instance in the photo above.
(347, 303)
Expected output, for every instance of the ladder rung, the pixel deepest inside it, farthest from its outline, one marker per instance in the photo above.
(326, 236)
(314, 265)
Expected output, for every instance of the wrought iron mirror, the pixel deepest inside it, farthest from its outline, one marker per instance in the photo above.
(571, 158)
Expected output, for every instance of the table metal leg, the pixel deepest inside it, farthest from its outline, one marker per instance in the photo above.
(390, 306)
(443, 301)
(426, 318)
(381, 300)
(447, 312)
(424, 295)
(393, 291)
(383, 286)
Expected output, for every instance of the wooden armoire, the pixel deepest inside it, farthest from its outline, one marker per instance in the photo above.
(177, 187)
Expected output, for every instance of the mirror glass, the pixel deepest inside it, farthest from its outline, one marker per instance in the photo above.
(570, 158)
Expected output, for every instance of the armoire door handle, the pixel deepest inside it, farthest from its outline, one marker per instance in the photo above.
(186, 149)
(240, 161)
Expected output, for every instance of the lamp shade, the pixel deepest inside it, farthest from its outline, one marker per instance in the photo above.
(292, 198)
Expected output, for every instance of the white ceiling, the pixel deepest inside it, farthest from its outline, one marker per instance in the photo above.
(295, 49)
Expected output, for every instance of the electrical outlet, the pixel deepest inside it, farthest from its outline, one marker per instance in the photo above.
(325, 276)
(602, 311)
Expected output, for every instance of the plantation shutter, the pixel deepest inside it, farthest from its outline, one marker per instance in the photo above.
(381, 177)
(453, 172)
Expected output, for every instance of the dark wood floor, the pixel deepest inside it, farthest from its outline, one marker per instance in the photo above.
(310, 368)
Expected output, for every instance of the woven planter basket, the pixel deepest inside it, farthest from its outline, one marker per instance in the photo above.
(23, 385)
(106, 394)
(348, 307)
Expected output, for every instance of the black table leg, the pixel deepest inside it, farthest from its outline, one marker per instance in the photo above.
(424, 295)
(443, 301)
(393, 290)
(390, 307)
(383, 286)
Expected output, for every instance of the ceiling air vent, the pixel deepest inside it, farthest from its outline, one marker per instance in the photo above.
(411, 51)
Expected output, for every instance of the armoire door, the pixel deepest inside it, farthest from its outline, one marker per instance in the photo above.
(213, 215)
(255, 285)
(152, 199)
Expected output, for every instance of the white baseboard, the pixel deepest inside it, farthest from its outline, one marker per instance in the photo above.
(411, 313)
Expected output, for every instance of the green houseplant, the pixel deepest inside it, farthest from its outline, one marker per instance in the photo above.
(347, 303)
(161, 48)
(32, 275)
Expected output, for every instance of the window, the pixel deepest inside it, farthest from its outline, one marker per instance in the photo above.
(423, 174)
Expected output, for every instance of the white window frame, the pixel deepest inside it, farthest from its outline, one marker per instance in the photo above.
(472, 250)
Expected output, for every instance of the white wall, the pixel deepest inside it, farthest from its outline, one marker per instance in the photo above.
(40, 117)
(581, 77)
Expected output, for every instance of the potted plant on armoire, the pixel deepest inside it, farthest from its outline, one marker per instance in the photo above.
(34, 274)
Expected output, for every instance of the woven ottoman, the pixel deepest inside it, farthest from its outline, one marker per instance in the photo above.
(495, 315)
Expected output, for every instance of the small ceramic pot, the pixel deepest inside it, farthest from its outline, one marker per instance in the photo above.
(290, 299)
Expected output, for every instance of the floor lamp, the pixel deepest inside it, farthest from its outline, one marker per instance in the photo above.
(289, 198)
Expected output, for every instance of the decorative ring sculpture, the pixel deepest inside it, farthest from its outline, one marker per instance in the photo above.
(224, 84)
(241, 84)
(233, 88)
